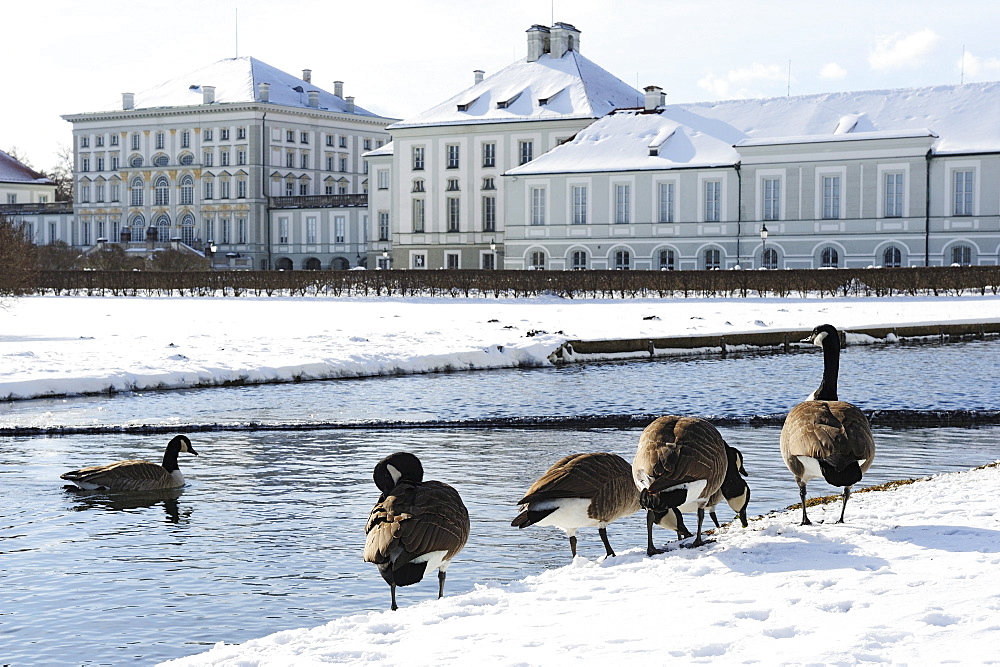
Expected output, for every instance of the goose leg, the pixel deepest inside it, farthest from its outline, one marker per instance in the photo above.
(743, 517)
(715, 519)
(802, 495)
(701, 520)
(603, 532)
(572, 544)
(650, 549)
(847, 494)
(441, 574)
(682, 530)
(392, 587)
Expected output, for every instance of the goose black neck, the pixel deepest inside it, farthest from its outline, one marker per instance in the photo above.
(170, 456)
(831, 368)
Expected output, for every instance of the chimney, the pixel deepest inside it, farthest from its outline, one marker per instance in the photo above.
(313, 98)
(307, 75)
(264, 91)
(565, 37)
(655, 97)
(538, 42)
(350, 104)
(338, 89)
(128, 101)
(478, 74)
(208, 94)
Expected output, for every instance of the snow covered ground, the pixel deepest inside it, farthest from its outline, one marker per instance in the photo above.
(910, 578)
(52, 346)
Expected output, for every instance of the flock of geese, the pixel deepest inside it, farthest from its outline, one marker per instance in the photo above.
(682, 464)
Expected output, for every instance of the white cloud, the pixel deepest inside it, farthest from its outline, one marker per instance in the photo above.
(984, 69)
(902, 50)
(739, 82)
(832, 71)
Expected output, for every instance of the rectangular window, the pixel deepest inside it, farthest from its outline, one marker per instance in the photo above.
(538, 206)
(241, 189)
(713, 201)
(210, 231)
(208, 190)
(114, 139)
(85, 228)
(99, 192)
(343, 163)
(85, 193)
(282, 230)
(208, 161)
(339, 229)
(454, 207)
(304, 162)
(328, 188)
(100, 164)
(489, 214)
(226, 235)
(452, 260)
(289, 188)
(114, 163)
(224, 135)
(343, 142)
(329, 140)
(310, 230)
(453, 155)
(186, 139)
(383, 225)
(579, 204)
(489, 154)
(303, 137)
(383, 179)
(418, 216)
(115, 192)
(224, 158)
(452, 185)
(772, 198)
(489, 183)
(84, 142)
(419, 261)
(368, 144)
(893, 196)
(241, 156)
(623, 209)
(665, 204)
(85, 164)
(225, 189)
(578, 260)
(241, 230)
(418, 158)
(303, 188)
(289, 159)
(526, 150)
(241, 133)
(135, 141)
(160, 140)
(831, 197)
(964, 182)
(100, 140)
(207, 135)
(289, 135)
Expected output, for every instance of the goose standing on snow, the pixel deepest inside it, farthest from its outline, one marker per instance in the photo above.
(416, 526)
(825, 437)
(135, 475)
(734, 489)
(679, 466)
(579, 491)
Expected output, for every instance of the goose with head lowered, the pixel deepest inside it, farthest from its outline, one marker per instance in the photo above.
(135, 475)
(679, 466)
(826, 437)
(579, 491)
(416, 527)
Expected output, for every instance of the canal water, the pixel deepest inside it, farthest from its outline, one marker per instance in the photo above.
(268, 534)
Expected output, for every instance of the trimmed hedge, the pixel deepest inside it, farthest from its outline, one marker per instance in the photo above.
(568, 284)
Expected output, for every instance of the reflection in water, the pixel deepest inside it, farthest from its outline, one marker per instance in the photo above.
(126, 501)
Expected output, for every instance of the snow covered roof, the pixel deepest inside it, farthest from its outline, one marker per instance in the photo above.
(15, 171)
(385, 149)
(956, 119)
(235, 81)
(548, 88)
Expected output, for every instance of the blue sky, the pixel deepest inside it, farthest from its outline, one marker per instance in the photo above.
(400, 57)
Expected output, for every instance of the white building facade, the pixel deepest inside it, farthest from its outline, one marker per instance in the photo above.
(239, 161)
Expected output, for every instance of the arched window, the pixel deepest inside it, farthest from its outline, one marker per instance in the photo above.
(135, 161)
(163, 228)
(187, 189)
(666, 260)
(829, 259)
(187, 229)
(713, 259)
(283, 264)
(961, 255)
(136, 188)
(578, 260)
(892, 257)
(769, 260)
(138, 225)
(536, 260)
(623, 260)
(312, 264)
(161, 191)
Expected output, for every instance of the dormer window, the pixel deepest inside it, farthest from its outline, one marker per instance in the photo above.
(465, 105)
(503, 104)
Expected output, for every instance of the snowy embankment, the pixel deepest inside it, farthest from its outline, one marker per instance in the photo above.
(55, 346)
(910, 578)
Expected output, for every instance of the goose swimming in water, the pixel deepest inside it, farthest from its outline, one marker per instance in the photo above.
(135, 475)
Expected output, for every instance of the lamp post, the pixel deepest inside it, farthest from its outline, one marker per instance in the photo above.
(763, 246)
(493, 250)
(386, 261)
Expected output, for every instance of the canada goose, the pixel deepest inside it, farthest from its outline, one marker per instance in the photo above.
(734, 488)
(679, 466)
(825, 437)
(579, 491)
(415, 527)
(135, 475)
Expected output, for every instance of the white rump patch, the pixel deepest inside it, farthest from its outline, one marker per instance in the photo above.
(812, 469)
(394, 472)
(434, 559)
(570, 514)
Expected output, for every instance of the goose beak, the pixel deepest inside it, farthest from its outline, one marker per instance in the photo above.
(191, 450)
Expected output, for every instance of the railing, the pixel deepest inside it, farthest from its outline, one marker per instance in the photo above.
(47, 207)
(320, 201)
